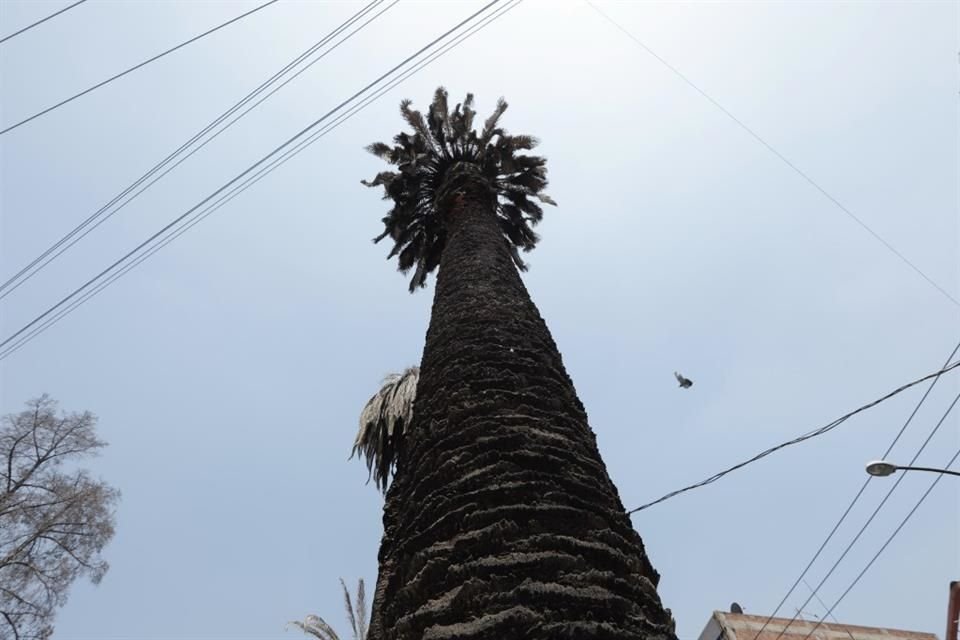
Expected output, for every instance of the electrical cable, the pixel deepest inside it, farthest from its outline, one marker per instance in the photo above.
(872, 515)
(253, 179)
(238, 178)
(135, 67)
(779, 155)
(889, 540)
(100, 216)
(866, 482)
(41, 21)
(806, 436)
(829, 613)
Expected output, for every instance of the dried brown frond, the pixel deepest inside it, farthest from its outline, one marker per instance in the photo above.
(384, 422)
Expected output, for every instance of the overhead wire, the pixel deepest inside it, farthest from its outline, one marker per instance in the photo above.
(831, 198)
(135, 67)
(104, 213)
(811, 434)
(776, 153)
(253, 179)
(859, 493)
(314, 137)
(872, 515)
(349, 114)
(41, 21)
(232, 184)
(829, 612)
(889, 539)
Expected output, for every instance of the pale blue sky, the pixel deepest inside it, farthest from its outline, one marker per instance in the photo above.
(229, 370)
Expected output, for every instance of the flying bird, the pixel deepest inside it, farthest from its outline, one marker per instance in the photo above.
(685, 383)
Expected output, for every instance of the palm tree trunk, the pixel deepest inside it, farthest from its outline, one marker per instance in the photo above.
(502, 521)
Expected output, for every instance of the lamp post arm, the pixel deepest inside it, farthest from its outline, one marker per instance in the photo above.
(932, 469)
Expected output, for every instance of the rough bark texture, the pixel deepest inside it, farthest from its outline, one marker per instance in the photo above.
(502, 521)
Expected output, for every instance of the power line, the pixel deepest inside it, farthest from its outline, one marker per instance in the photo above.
(874, 514)
(87, 226)
(866, 482)
(890, 539)
(41, 21)
(779, 155)
(829, 613)
(235, 180)
(137, 66)
(820, 600)
(253, 179)
(811, 434)
(256, 178)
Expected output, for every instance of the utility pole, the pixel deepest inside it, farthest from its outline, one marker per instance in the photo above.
(953, 611)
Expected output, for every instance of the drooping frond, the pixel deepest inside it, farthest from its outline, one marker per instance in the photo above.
(317, 626)
(384, 422)
(441, 152)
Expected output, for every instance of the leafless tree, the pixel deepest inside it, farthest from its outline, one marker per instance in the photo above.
(55, 518)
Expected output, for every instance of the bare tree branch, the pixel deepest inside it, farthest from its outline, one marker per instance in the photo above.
(55, 519)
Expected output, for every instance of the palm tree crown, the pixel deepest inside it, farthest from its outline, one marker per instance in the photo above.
(443, 154)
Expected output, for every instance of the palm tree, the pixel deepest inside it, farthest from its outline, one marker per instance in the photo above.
(357, 614)
(501, 520)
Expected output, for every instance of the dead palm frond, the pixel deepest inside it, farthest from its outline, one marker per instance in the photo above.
(384, 422)
(317, 627)
(442, 153)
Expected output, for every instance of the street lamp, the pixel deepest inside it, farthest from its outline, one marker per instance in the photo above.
(884, 468)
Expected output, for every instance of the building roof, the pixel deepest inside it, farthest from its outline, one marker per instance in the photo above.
(742, 626)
